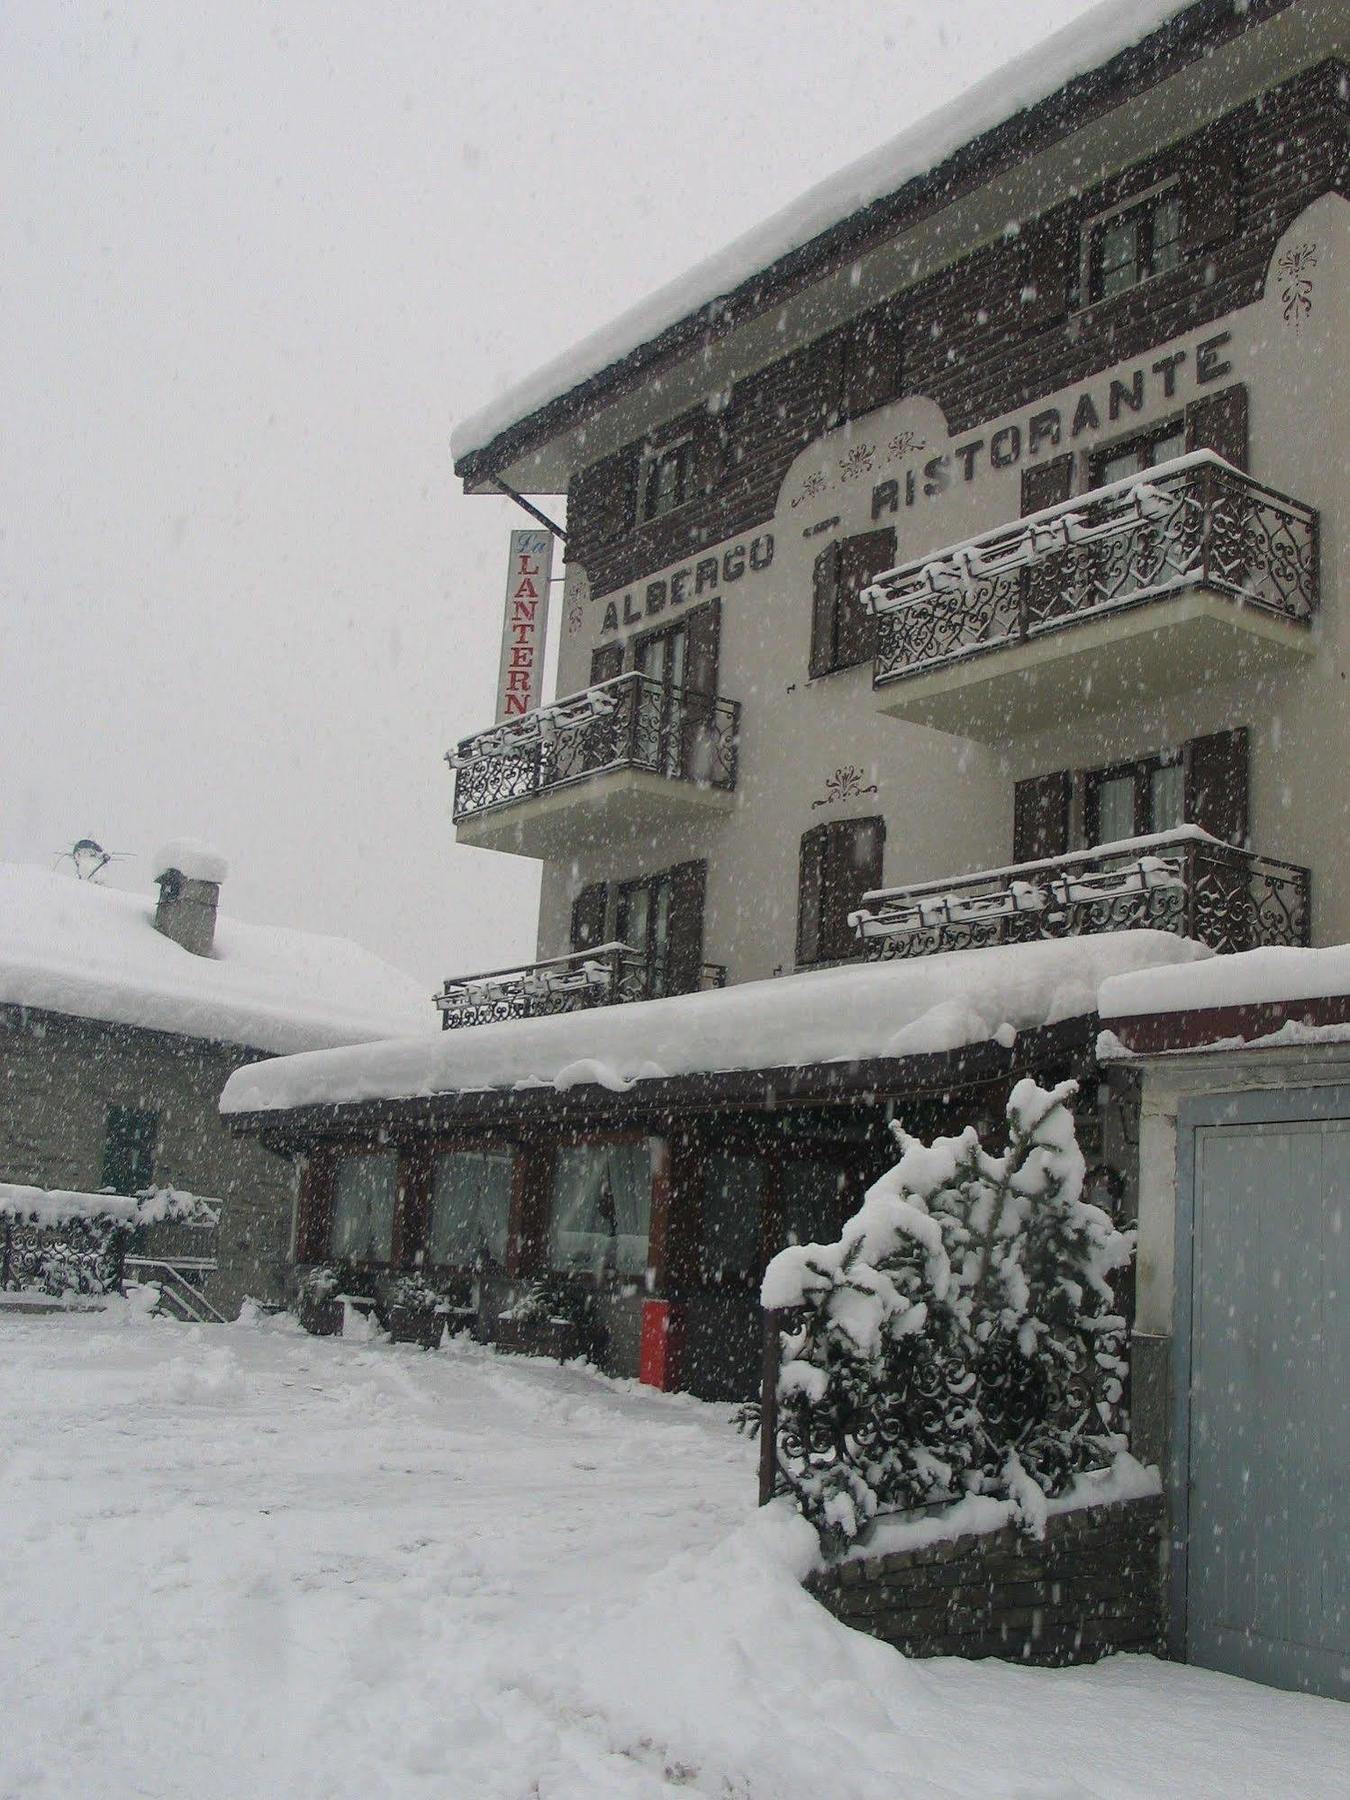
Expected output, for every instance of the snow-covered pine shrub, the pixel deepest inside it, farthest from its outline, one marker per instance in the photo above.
(960, 1336)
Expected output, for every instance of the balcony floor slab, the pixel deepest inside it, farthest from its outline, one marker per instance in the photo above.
(1098, 664)
(605, 810)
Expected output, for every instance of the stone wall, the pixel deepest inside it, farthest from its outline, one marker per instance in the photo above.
(1093, 1584)
(58, 1077)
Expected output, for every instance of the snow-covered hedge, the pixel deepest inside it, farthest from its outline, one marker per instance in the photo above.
(961, 1337)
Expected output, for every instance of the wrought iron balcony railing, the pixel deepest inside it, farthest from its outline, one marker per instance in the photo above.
(608, 975)
(1182, 881)
(1195, 522)
(630, 722)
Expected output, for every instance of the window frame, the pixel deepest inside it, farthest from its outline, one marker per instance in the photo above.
(658, 1204)
(1146, 204)
(684, 453)
(1141, 769)
(472, 1146)
(350, 1153)
(1097, 459)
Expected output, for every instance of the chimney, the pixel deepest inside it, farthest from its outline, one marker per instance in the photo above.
(189, 874)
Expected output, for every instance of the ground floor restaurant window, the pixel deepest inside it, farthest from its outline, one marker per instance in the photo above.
(732, 1252)
(364, 1190)
(470, 1207)
(816, 1201)
(602, 1197)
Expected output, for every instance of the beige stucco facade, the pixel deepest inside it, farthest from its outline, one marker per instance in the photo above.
(813, 750)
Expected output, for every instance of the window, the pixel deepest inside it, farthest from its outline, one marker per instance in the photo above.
(1134, 244)
(815, 1203)
(129, 1149)
(668, 480)
(470, 1206)
(602, 1198)
(364, 1190)
(839, 863)
(659, 918)
(1135, 799)
(731, 1253)
(1203, 782)
(1131, 456)
(843, 633)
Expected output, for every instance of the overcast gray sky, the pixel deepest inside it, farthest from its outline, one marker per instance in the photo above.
(255, 259)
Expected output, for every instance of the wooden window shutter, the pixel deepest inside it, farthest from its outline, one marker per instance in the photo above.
(861, 560)
(1041, 812)
(824, 602)
(1210, 195)
(702, 647)
(688, 891)
(1219, 423)
(873, 369)
(852, 867)
(1050, 269)
(1216, 775)
(606, 663)
(590, 910)
(810, 886)
(1046, 484)
(314, 1205)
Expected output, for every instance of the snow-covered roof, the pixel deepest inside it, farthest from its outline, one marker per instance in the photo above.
(866, 1010)
(192, 858)
(74, 947)
(1084, 44)
(1251, 978)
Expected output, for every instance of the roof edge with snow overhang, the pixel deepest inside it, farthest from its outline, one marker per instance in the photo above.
(1120, 48)
(844, 1025)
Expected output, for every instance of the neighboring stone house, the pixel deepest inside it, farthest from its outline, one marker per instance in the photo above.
(121, 1020)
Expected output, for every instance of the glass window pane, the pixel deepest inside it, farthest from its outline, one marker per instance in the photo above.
(814, 1207)
(660, 938)
(1115, 809)
(1166, 234)
(733, 1201)
(1119, 255)
(602, 1197)
(1120, 466)
(1163, 449)
(1166, 797)
(364, 1188)
(470, 1206)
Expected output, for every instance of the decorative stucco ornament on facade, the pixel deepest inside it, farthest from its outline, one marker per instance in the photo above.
(1295, 270)
(845, 783)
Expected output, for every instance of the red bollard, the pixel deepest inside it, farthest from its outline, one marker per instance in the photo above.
(661, 1354)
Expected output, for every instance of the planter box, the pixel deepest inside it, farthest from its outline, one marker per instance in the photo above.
(322, 1318)
(543, 1337)
(416, 1325)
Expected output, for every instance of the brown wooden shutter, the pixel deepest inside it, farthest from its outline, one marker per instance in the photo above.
(702, 649)
(589, 912)
(1210, 195)
(1041, 816)
(1050, 270)
(606, 663)
(810, 885)
(688, 891)
(1046, 484)
(851, 868)
(861, 560)
(602, 501)
(1216, 784)
(873, 368)
(824, 602)
(1219, 423)
(314, 1206)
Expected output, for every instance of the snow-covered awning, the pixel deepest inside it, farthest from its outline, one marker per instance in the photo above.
(864, 1011)
(1261, 998)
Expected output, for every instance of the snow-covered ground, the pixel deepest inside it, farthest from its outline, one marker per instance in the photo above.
(242, 1562)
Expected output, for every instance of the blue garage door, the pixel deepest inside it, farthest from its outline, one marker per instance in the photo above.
(1267, 1591)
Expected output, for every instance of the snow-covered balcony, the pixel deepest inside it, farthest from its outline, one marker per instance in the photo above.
(1166, 581)
(609, 764)
(607, 975)
(1183, 881)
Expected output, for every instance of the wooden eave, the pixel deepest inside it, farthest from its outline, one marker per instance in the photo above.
(1221, 1028)
(1181, 41)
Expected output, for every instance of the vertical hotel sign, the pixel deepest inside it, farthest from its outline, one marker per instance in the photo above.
(520, 680)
